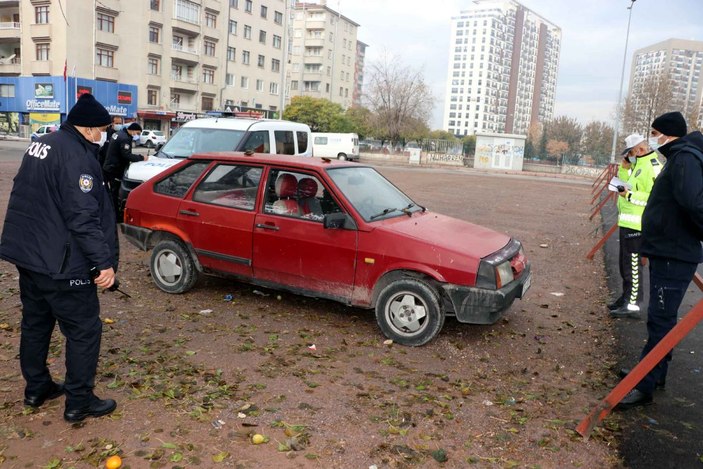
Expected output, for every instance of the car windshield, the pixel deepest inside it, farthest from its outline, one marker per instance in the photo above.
(189, 140)
(372, 195)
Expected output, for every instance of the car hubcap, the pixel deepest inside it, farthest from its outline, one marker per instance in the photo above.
(406, 313)
(168, 267)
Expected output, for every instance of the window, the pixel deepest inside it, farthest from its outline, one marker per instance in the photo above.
(175, 98)
(278, 17)
(210, 19)
(262, 36)
(232, 54)
(229, 79)
(209, 48)
(258, 141)
(104, 57)
(234, 3)
(187, 11)
(177, 72)
(153, 66)
(244, 82)
(152, 97)
(276, 41)
(245, 57)
(273, 87)
(248, 6)
(264, 11)
(294, 85)
(302, 141)
(261, 61)
(43, 51)
(207, 103)
(106, 23)
(41, 14)
(247, 32)
(299, 195)
(275, 65)
(259, 85)
(7, 91)
(154, 33)
(233, 27)
(208, 75)
(178, 183)
(230, 185)
(155, 5)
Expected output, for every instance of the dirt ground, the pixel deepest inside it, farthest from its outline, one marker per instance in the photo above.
(196, 375)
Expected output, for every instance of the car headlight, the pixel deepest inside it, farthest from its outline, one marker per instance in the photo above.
(504, 274)
(496, 271)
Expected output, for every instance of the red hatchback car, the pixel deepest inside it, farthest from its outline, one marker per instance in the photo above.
(325, 229)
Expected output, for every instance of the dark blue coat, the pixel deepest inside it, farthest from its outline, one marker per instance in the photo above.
(60, 221)
(672, 223)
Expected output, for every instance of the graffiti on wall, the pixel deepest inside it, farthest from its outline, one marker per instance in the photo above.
(498, 155)
(444, 158)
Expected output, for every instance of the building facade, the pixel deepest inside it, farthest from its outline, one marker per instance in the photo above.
(178, 58)
(681, 63)
(502, 73)
(323, 55)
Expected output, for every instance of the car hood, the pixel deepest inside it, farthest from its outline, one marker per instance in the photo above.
(144, 170)
(448, 233)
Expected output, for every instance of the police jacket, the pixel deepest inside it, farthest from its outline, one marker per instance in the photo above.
(119, 154)
(102, 153)
(640, 177)
(672, 224)
(60, 221)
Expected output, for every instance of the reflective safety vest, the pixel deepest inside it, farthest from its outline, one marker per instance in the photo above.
(640, 177)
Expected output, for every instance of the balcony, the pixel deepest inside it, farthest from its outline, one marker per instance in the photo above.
(210, 88)
(103, 37)
(314, 42)
(9, 30)
(210, 60)
(185, 54)
(40, 30)
(41, 67)
(183, 83)
(106, 73)
(12, 67)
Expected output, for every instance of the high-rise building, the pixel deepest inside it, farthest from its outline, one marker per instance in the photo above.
(680, 63)
(323, 57)
(159, 61)
(502, 74)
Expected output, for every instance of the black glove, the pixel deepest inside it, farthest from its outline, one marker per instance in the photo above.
(621, 188)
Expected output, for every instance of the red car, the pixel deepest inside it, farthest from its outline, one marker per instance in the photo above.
(326, 229)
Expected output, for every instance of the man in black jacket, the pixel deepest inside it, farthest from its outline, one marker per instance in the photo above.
(119, 155)
(672, 230)
(60, 226)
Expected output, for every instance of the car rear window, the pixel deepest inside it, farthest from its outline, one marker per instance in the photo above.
(178, 183)
(230, 185)
(285, 144)
(302, 142)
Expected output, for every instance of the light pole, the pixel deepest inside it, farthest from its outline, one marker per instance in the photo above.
(622, 80)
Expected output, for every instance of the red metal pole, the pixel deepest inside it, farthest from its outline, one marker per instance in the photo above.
(600, 243)
(600, 205)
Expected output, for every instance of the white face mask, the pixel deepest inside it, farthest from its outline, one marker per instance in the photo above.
(103, 139)
(654, 143)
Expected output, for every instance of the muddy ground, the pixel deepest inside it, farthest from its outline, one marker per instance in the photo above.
(196, 375)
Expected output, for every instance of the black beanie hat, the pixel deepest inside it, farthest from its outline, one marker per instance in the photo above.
(134, 126)
(671, 124)
(88, 112)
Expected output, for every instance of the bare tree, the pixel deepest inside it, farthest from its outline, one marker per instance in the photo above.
(567, 130)
(648, 99)
(399, 98)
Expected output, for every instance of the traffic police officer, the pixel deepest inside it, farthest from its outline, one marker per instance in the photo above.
(119, 155)
(639, 169)
(59, 225)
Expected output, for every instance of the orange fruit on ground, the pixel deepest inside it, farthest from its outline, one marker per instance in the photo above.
(113, 462)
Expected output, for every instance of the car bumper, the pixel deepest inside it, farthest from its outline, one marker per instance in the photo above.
(480, 306)
(136, 235)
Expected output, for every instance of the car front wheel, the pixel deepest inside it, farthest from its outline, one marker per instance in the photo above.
(149, 144)
(172, 267)
(408, 312)
(342, 157)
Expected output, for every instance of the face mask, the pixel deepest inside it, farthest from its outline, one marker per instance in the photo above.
(103, 139)
(654, 143)
(135, 138)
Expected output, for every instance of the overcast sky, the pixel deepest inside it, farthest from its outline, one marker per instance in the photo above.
(593, 42)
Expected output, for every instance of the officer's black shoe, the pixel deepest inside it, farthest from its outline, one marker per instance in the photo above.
(626, 311)
(97, 408)
(617, 304)
(626, 371)
(54, 391)
(634, 398)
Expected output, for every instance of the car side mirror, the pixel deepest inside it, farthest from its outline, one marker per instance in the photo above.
(338, 221)
(158, 147)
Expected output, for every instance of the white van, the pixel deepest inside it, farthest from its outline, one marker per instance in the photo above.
(339, 146)
(220, 134)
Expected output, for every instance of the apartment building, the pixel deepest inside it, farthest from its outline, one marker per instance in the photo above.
(502, 73)
(161, 62)
(323, 57)
(678, 60)
(359, 73)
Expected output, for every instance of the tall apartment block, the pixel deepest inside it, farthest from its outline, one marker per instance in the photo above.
(324, 54)
(502, 74)
(679, 60)
(161, 62)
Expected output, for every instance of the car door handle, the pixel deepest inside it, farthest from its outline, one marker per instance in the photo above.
(191, 213)
(266, 226)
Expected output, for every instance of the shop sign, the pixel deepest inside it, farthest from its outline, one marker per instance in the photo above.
(37, 105)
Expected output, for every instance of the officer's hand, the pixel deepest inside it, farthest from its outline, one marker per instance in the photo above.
(623, 193)
(106, 278)
(621, 189)
(145, 157)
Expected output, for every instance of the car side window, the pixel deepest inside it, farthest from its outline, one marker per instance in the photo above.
(298, 195)
(178, 183)
(302, 142)
(258, 142)
(285, 145)
(230, 185)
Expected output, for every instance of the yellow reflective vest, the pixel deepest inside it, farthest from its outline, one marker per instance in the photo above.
(640, 177)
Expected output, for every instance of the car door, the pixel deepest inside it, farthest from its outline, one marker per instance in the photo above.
(291, 246)
(219, 217)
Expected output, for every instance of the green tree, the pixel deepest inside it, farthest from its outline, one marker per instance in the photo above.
(322, 115)
(442, 135)
(361, 121)
(597, 141)
(469, 144)
(567, 130)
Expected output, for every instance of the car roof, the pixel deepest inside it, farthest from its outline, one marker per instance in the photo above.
(244, 123)
(302, 162)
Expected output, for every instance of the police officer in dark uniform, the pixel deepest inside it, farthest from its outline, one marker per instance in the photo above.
(111, 129)
(59, 225)
(119, 155)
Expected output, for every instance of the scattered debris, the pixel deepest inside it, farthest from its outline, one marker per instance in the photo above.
(260, 293)
(205, 312)
(228, 297)
(487, 402)
(312, 347)
(218, 423)
(388, 342)
(544, 245)
(557, 293)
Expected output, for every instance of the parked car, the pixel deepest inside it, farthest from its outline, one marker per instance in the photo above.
(151, 138)
(326, 229)
(43, 130)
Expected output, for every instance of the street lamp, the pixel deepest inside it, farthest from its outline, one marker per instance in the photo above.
(622, 80)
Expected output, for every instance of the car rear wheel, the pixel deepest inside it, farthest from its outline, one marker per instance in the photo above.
(149, 144)
(408, 312)
(342, 156)
(172, 267)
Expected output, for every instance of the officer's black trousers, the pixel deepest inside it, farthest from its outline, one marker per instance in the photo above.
(74, 304)
(631, 265)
